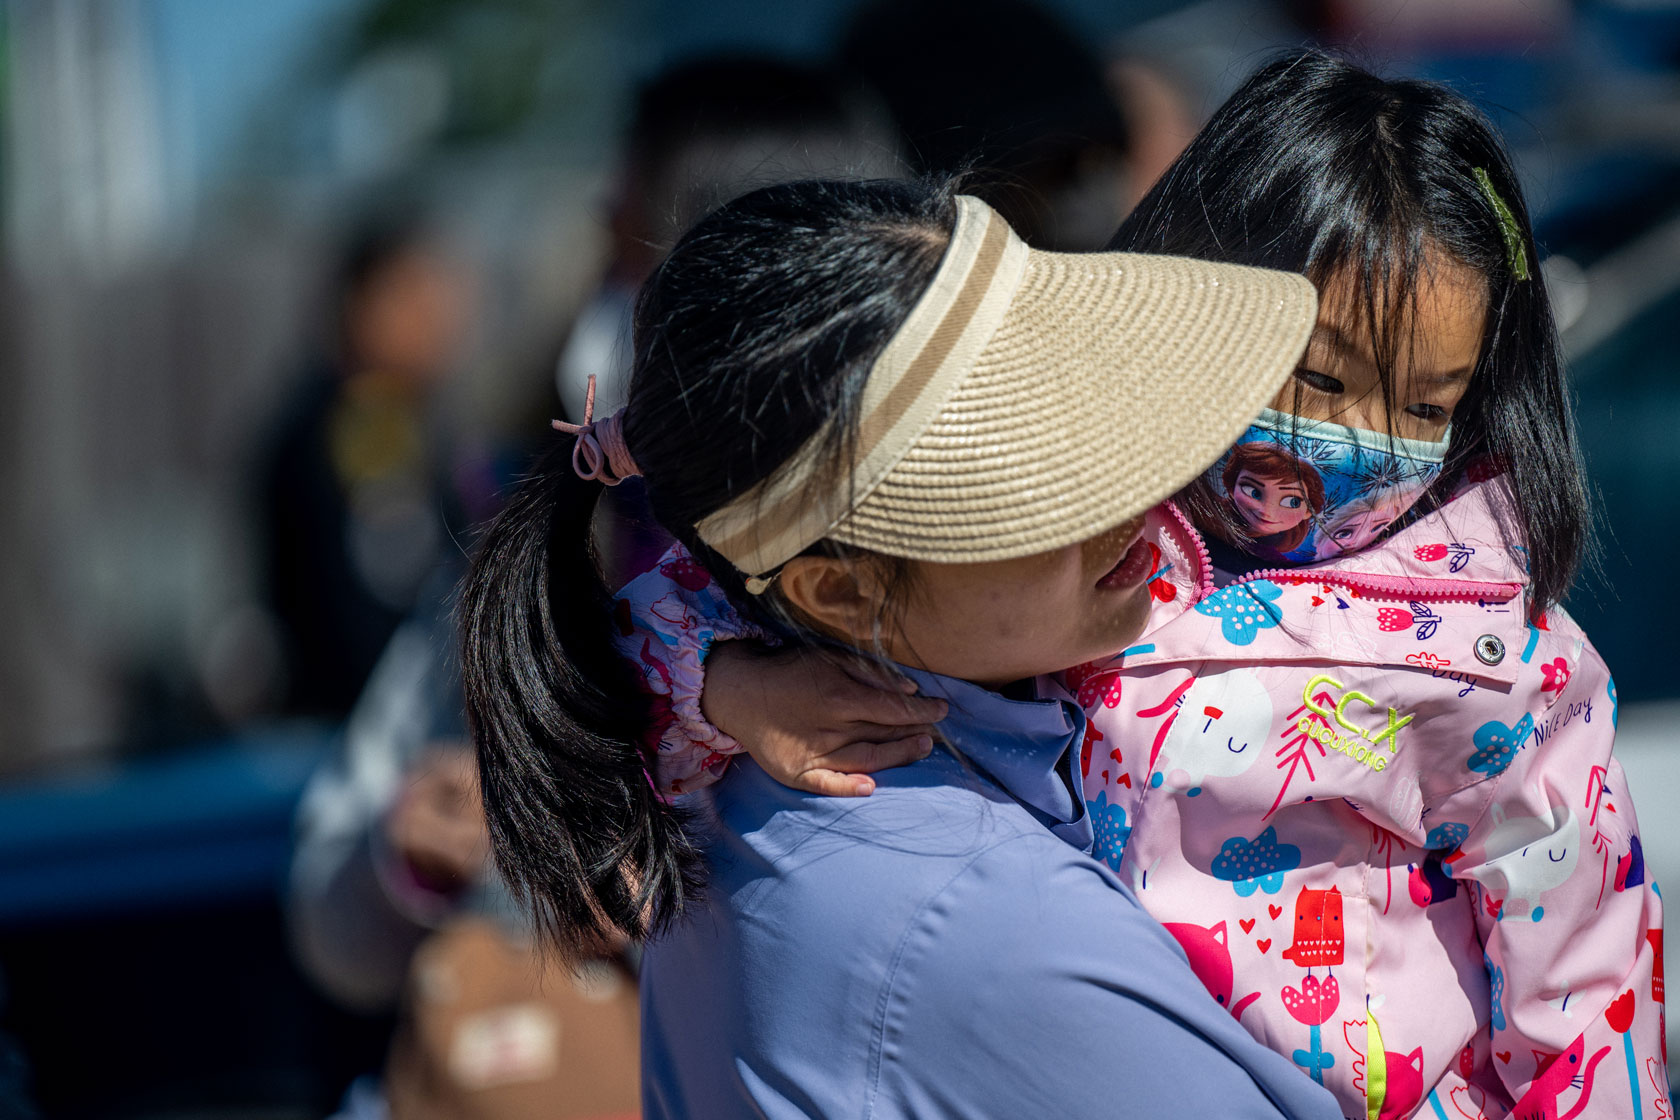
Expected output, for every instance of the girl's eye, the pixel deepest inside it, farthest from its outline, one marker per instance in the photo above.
(1292, 502)
(1251, 490)
(1427, 411)
(1324, 383)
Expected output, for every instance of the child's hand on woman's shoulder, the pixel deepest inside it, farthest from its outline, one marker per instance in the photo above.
(817, 720)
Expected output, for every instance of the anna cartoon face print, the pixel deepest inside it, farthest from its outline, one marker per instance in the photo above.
(1274, 494)
(1271, 504)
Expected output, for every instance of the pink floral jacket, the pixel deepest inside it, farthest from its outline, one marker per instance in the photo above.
(1375, 803)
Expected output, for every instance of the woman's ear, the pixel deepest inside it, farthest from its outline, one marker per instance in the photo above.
(842, 597)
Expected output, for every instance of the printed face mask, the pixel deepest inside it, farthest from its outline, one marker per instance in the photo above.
(1309, 490)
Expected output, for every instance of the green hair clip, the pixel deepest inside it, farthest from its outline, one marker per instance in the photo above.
(1508, 228)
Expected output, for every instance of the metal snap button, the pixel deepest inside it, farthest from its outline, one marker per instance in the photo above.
(1489, 649)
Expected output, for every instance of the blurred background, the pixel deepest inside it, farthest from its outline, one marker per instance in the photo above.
(289, 289)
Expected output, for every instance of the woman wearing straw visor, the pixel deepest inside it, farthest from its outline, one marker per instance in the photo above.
(866, 410)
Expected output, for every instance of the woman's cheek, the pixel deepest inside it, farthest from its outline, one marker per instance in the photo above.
(951, 615)
(1020, 617)
(1000, 617)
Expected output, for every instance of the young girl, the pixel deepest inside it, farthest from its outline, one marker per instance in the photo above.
(1373, 796)
(858, 406)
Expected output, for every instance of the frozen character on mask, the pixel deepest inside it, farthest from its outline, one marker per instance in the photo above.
(1274, 495)
(1357, 522)
(1307, 490)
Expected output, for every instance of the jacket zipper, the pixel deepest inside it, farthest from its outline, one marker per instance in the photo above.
(1204, 586)
(1398, 588)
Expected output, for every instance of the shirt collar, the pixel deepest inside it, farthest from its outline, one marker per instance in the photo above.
(1025, 746)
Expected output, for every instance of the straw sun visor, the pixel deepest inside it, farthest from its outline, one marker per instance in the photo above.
(1033, 400)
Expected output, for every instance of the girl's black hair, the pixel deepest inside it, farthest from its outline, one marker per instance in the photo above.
(1317, 166)
(755, 334)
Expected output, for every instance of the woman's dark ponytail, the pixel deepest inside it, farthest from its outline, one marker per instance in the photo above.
(576, 825)
(754, 335)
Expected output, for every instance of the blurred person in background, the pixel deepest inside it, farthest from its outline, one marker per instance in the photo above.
(1170, 72)
(1004, 88)
(702, 132)
(390, 834)
(356, 505)
(394, 908)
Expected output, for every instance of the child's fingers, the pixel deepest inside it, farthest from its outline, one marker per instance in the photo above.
(832, 783)
(873, 688)
(853, 734)
(866, 758)
(865, 703)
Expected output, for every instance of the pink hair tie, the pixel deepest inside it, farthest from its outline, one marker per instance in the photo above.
(601, 453)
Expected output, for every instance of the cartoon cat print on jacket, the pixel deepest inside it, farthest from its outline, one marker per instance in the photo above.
(1346, 817)
(1210, 960)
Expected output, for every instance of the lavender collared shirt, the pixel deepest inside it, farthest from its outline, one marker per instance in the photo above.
(945, 947)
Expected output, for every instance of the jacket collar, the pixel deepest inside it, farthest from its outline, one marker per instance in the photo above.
(1452, 559)
(1462, 542)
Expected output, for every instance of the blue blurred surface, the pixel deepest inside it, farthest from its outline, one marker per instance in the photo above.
(210, 823)
(1630, 420)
